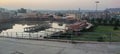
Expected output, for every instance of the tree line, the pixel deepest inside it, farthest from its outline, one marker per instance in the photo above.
(105, 22)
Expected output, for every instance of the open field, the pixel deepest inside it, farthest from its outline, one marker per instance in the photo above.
(106, 29)
(101, 33)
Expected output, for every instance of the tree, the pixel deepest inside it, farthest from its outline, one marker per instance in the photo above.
(105, 21)
(92, 20)
(99, 20)
(116, 24)
(100, 39)
(110, 22)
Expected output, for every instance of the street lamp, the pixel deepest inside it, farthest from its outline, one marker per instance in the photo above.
(97, 5)
(97, 2)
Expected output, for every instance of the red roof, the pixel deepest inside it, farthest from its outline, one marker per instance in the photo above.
(77, 26)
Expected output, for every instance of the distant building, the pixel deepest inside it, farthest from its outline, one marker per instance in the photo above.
(100, 14)
(21, 15)
(2, 9)
(4, 17)
(67, 17)
(112, 12)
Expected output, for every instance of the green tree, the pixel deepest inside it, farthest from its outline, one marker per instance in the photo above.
(116, 24)
(99, 21)
(104, 21)
(110, 22)
(92, 20)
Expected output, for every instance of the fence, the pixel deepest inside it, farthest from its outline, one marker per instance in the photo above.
(74, 36)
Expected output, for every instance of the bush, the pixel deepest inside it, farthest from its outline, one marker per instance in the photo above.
(116, 28)
(100, 39)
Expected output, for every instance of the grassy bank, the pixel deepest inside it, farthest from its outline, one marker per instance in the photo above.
(101, 33)
(106, 29)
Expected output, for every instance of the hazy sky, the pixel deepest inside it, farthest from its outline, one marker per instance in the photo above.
(58, 4)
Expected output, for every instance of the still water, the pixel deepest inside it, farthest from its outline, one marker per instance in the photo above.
(17, 29)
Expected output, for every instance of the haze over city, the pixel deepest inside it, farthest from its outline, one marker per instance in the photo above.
(59, 26)
(59, 4)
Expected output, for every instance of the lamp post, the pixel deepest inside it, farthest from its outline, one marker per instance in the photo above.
(97, 2)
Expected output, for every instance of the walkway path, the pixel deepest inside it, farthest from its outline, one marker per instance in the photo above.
(14, 46)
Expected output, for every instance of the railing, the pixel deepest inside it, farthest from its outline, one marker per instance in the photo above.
(22, 35)
(76, 36)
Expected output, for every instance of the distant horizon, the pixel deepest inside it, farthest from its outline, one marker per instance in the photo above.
(59, 4)
(56, 9)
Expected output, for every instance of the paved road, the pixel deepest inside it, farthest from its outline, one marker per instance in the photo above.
(14, 46)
